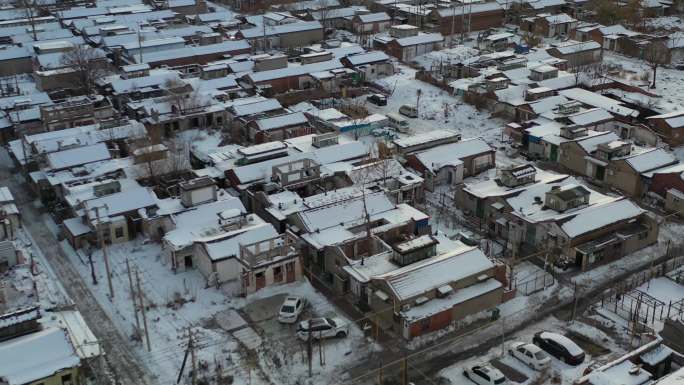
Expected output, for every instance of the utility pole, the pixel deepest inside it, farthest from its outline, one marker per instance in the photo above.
(574, 304)
(103, 246)
(404, 371)
(321, 356)
(135, 308)
(217, 369)
(193, 355)
(140, 53)
(263, 23)
(503, 337)
(92, 267)
(309, 351)
(380, 373)
(182, 368)
(142, 310)
(453, 22)
(462, 20)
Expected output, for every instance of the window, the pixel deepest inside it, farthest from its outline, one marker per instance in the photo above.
(118, 232)
(277, 273)
(66, 379)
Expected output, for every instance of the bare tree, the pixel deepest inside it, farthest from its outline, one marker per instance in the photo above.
(632, 13)
(655, 55)
(179, 155)
(531, 40)
(182, 95)
(323, 13)
(32, 10)
(364, 180)
(88, 64)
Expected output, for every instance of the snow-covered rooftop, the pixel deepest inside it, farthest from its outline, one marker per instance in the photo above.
(421, 38)
(420, 277)
(596, 217)
(35, 356)
(452, 154)
(673, 119)
(78, 156)
(425, 137)
(227, 245)
(280, 29)
(595, 100)
(280, 121)
(650, 160)
(121, 202)
(294, 70)
(196, 222)
(373, 17)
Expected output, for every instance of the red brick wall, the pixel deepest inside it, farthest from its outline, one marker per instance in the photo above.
(201, 59)
(283, 84)
(673, 137)
(663, 182)
(478, 22)
(413, 162)
(394, 49)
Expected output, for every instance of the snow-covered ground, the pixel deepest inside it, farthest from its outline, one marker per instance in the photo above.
(456, 54)
(668, 232)
(559, 372)
(437, 108)
(669, 81)
(178, 302)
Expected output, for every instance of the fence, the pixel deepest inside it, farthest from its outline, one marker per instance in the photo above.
(538, 282)
(634, 305)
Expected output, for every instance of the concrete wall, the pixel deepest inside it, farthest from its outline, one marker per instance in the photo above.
(301, 39)
(18, 66)
(478, 21)
(56, 379)
(269, 272)
(621, 176)
(571, 156)
(674, 203)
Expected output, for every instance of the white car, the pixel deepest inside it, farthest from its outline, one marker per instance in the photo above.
(290, 310)
(485, 374)
(322, 328)
(530, 354)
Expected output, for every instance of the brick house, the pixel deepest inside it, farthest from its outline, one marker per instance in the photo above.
(629, 174)
(289, 35)
(278, 128)
(370, 23)
(202, 54)
(407, 48)
(666, 179)
(291, 77)
(431, 294)
(472, 17)
(577, 53)
(669, 126)
(549, 25)
(450, 163)
(372, 64)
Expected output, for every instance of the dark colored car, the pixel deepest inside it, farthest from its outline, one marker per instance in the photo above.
(560, 347)
(378, 99)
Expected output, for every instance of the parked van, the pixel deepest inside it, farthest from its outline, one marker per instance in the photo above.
(408, 110)
(398, 122)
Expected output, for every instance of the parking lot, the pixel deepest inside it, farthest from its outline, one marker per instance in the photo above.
(598, 347)
(287, 352)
